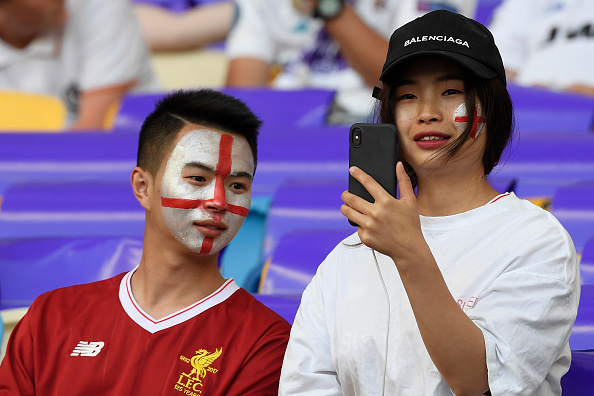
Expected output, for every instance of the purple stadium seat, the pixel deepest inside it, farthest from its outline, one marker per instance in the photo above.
(582, 334)
(542, 110)
(289, 153)
(573, 206)
(82, 208)
(291, 108)
(587, 262)
(541, 163)
(297, 257)
(579, 380)
(70, 156)
(30, 267)
(177, 5)
(485, 9)
(305, 204)
(285, 306)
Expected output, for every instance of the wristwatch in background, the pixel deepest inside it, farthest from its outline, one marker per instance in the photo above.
(328, 9)
(323, 9)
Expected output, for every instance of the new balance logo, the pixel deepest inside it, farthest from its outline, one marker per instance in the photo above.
(85, 348)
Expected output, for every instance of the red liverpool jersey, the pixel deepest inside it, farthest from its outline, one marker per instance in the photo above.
(94, 339)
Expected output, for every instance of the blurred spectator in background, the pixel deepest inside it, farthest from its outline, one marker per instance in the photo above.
(547, 43)
(180, 25)
(333, 44)
(88, 53)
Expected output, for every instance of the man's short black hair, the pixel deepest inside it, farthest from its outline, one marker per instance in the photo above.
(205, 107)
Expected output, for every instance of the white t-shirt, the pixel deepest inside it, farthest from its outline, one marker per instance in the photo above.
(100, 46)
(273, 31)
(547, 42)
(509, 264)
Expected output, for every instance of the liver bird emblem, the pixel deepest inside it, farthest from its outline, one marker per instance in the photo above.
(202, 360)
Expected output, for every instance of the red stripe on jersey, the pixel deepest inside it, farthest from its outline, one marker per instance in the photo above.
(227, 283)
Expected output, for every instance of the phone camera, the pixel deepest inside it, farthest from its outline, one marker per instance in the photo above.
(356, 137)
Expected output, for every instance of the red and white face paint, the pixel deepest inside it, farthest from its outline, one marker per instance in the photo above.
(186, 205)
(461, 119)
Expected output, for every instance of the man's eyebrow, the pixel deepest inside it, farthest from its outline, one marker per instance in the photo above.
(199, 165)
(242, 174)
(212, 170)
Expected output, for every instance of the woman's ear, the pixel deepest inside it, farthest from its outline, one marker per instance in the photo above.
(142, 185)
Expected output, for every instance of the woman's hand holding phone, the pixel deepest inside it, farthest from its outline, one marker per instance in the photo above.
(390, 226)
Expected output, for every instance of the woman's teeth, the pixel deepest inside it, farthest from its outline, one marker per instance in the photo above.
(428, 138)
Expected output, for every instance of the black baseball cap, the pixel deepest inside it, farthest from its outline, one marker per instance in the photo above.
(447, 34)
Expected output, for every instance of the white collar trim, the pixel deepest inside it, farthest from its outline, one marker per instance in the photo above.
(151, 325)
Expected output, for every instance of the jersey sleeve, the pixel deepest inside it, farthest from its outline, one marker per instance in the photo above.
(17, 368)
(526, 316)
(111, 46)
(308, 368)
(250, 37)
(260, 373)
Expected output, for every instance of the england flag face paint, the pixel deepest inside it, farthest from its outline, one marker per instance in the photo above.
(206, 189)
(461, 119)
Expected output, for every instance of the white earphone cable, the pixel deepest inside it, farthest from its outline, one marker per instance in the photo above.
(387, 323)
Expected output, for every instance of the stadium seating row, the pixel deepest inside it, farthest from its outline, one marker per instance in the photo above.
(68, 216)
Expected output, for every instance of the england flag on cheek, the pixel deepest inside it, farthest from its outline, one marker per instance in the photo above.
(461, 119)
(186, 205)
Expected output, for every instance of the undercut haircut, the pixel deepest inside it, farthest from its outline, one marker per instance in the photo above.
(204, 107)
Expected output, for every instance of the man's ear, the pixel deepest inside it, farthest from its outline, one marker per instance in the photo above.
(142, 185)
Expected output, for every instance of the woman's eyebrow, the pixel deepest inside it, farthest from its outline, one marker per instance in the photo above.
(400, 83)
(448, 77)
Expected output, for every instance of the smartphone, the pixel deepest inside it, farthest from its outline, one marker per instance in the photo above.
(374, 149)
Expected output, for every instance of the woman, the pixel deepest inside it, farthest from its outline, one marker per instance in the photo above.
(470, 291)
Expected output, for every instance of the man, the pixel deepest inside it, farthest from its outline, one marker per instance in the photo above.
(173, 325)
(88, 53)
(331, 44)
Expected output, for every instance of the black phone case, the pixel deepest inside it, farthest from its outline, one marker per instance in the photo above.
(376, 153)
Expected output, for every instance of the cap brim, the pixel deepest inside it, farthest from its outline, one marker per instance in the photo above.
(470, 64)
